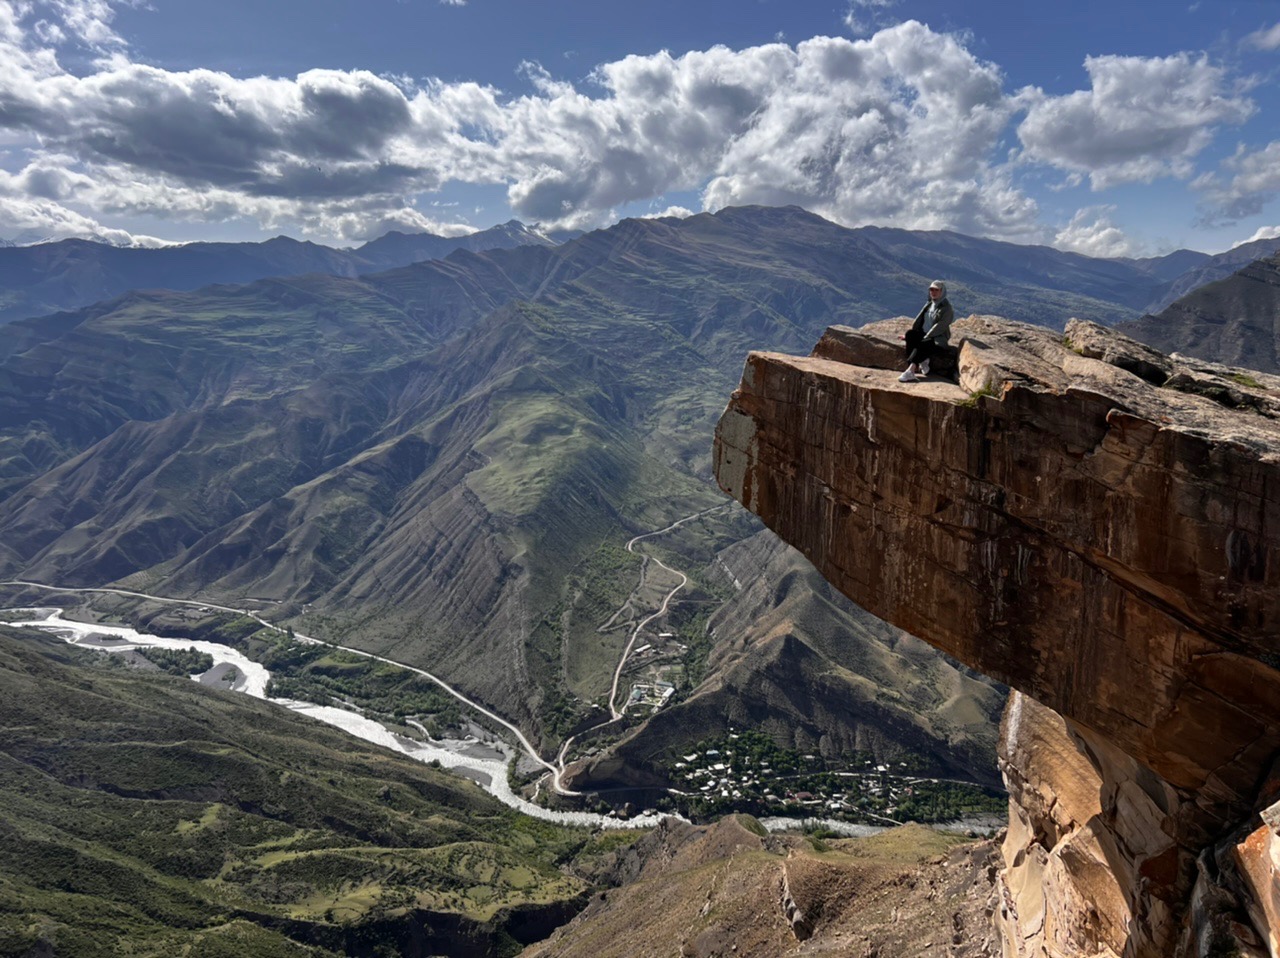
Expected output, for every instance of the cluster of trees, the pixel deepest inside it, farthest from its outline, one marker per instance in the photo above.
(317, 673)
(178, 661)
(755, 764)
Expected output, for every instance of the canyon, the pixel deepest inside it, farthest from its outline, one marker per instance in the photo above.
(1095, 524)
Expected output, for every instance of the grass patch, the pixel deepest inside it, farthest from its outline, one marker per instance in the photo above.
(971, 401)
(1244, 379)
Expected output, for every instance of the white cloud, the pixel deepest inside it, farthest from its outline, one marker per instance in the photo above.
(1142, 118)
(900, 128)
(1092, 233)
(358, 226)
(89, 21)
(29, 220)
(56, 22)
(1261, 233)
(679, 212)
(1251, 181)
(1268, 38)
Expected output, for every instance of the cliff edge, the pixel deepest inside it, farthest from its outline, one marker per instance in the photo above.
(1097, 525)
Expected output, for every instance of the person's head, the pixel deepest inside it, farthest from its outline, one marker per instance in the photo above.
(937, 289)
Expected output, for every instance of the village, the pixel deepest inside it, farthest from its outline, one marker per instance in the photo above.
(745, 771)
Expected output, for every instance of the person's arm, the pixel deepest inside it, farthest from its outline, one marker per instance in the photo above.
(941, 323)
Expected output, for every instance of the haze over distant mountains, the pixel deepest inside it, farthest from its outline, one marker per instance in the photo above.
(442, 462)
(69, 274)
(1233, 320)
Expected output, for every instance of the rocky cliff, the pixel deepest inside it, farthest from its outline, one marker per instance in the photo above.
(1096, 525)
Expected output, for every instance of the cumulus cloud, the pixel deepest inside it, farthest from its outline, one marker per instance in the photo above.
(1092, 233)
(897, 129)
(40, 220)
(903, 128)
(1261, 233)
(358, 226)
(1142, 118)
(678, 212)
(1248, 181)
(1268, 38)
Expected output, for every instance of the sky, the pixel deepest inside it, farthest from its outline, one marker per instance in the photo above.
(1116, 128)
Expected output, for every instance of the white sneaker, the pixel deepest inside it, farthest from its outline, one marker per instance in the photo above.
(907, 377)
(924, 368)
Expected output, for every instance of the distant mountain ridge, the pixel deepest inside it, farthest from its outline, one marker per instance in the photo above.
(1235, 320)
(73, 273)
(1214, 268)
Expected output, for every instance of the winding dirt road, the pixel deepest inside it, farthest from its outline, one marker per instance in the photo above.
(617, 714)
(556, 770)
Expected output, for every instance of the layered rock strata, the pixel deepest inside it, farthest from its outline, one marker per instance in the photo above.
(1096, 525)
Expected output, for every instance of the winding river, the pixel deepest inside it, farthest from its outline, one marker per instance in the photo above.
(484, 763)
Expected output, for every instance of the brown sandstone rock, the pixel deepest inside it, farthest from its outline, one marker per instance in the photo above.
(1258, 860)
(1106, 546)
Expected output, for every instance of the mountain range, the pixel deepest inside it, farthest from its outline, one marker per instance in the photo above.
(70, 274)
(442, 462)
(1233, 320)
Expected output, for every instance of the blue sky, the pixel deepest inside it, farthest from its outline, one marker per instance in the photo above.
(1112, 128)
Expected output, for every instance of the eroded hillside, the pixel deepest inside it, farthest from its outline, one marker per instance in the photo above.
(443, 463)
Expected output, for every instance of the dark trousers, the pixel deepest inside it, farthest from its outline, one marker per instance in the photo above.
(918, 348)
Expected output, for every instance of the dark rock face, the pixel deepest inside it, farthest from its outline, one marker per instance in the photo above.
(1105, 546)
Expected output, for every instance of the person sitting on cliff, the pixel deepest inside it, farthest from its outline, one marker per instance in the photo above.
(931, 330)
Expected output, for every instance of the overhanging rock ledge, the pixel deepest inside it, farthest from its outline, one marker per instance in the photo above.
(1097, 525)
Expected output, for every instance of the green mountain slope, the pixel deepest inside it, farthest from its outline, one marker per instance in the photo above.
(1212, 269)
(442, 463)
(795, 659)
(147, 815)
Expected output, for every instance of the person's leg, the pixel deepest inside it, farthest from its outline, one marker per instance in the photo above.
(913, 338)
(920, 352)
(913, 341)
(921, 355)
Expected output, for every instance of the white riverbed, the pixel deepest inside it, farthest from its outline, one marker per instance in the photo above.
(464, 757)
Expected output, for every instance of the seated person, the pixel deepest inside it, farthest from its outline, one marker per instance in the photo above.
(931, 330)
